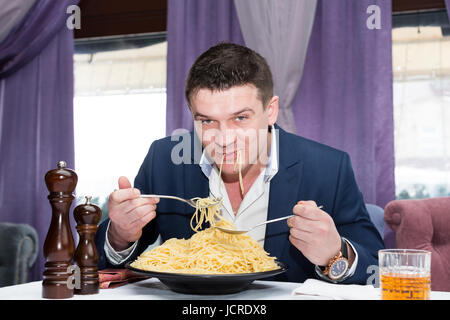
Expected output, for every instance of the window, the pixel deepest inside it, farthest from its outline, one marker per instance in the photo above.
(119, 109)
(421, 66)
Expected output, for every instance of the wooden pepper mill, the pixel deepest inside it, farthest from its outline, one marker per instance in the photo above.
(59, 245)
(87, 217)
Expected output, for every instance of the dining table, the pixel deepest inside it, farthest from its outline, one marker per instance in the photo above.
(153, 289)
(262, 299)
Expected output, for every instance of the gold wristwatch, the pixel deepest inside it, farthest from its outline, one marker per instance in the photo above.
(338, 265)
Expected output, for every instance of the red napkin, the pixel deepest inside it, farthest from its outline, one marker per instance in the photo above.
(113, 278)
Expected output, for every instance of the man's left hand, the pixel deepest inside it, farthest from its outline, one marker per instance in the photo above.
(314, 233)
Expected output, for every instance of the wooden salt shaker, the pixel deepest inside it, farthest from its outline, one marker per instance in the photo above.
(87, 217)
(59, 245)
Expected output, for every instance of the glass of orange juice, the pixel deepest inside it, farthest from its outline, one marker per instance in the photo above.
(405, 274)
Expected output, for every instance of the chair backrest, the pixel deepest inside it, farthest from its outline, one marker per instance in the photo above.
(376, 214)
(424, 224)
(19, 249)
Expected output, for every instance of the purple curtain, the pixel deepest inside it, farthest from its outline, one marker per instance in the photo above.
(193, 26)
(447, 4)
(345, 96)
(36, 114)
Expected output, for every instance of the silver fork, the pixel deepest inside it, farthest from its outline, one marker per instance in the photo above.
(232, 231)
(191, 202)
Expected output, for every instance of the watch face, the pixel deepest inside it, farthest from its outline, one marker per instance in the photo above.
(338, 269)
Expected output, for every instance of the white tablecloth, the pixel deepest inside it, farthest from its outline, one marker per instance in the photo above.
(153, 289)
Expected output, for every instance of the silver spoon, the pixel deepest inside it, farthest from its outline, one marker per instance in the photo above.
(191, 202)
(231, 231)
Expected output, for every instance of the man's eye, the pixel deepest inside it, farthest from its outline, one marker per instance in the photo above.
(206, 121)
(241, 118)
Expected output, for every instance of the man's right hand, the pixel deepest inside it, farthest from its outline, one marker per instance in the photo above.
(128, 214)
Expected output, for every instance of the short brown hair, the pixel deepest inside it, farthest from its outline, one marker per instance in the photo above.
(228, 65)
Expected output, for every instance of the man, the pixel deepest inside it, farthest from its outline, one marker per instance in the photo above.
(260, 171)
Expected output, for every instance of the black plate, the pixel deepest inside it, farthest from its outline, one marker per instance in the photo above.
(208, 283)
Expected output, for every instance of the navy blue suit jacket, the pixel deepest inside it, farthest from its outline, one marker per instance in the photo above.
(307, 171)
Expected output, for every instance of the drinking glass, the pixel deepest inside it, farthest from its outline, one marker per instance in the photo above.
(405, 274)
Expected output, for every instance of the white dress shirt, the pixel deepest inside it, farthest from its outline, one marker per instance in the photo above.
(253, 208)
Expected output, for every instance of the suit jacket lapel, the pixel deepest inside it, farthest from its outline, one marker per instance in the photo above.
(284, 193)
(284, 190)
(196, 184)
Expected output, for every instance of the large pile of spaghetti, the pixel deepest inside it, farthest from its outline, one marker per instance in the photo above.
(209, 251)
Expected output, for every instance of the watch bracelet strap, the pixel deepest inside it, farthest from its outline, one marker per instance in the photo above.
(344, 248)
(342, 253)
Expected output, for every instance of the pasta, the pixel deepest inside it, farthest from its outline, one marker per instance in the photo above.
(209, 251)
(238, 164)
(209, 210)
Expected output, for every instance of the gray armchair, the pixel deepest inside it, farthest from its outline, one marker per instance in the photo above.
(18, 252)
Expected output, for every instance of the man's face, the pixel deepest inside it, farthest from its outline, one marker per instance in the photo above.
(232, 120)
